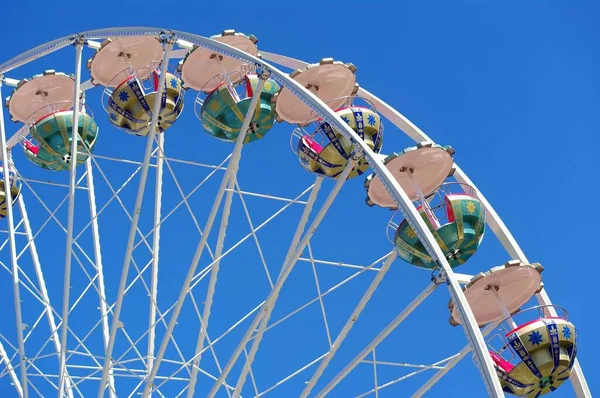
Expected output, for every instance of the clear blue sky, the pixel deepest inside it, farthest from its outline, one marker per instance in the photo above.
(512, 86)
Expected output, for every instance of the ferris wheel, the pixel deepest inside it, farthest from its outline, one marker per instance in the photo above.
(143, 260)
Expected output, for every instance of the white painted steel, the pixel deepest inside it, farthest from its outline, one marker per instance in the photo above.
(133, 229)
(70, 217)
(103, 305)
(13, 259)
(231, 171)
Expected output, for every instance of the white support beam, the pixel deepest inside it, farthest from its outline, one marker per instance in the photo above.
(99, 266)
(208, 301)
(41, 282)
(35, 53)
(349, 324)
(134, 223)
(10, 82)
(378, 339)
(13, 255)
(231, 171)
(402, 378)
(262, 319)
(482, 358)
(249, 332)
(160, 159)
(11, 371)
(463, 279)
(70, 218)
(448, 366)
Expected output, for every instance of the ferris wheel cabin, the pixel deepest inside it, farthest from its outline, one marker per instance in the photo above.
(225, 89)
(130, 70)
(533, 349)
(45, 105)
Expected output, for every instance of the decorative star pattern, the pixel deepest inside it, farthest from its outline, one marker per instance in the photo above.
(173, 82)
(113, 117)
(566, 331)
(471, 207)
(409, 233)
(371, 120)
(535, 338)
(345, 118)
(214, 106)
(123, 96)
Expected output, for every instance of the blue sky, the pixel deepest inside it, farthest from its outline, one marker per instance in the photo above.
(512, 87)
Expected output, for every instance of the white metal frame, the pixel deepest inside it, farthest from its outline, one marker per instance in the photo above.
(493, 220)
(186, 40)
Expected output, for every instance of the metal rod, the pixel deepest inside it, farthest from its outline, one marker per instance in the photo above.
(414, 373)
(11, 371)
(13, 256)
(70, 217)
(41, 281)
(214, 271)
(375, 382)
(502, 307)
(378, 339)
(99, 265)
(349, 324)
(231, 170)
(423, 200)
(155, 250)
(413, 218)
(286, 269)
(448, 366)
(134, 224)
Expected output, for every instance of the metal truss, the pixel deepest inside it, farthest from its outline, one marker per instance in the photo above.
(113, 355)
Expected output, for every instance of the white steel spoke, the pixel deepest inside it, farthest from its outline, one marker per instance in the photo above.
(337, 264)
(328, 291)
(118, 199)
(229, 174)
(99, 265)
(212, 350)
(133, 230)
(317, 284)
(349, 323)
(376, 383)
(296, 373)
(304, 218)
(289, 315)
(253, 231)
(13, 256)
(398, 380)
(155, 250)
(286, 269)
(50, 217)
(263, 224)
(208, 301)
(71, 214)
(448, 366)
(260, 195)
(378, 339)
(11, 371)
(403, 364)
(40, 276)
(115, 194)
(184, 200)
